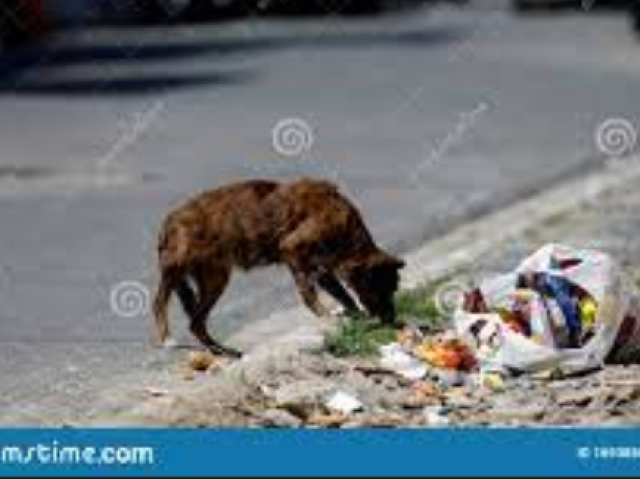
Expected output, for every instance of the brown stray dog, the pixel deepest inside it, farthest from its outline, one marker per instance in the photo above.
(306, 224)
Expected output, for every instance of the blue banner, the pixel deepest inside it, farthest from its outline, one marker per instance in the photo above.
(193, 452)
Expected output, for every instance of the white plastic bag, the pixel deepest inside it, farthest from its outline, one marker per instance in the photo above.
(395, 358)
(592, 271)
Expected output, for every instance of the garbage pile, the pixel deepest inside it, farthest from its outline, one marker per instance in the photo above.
(562, 311)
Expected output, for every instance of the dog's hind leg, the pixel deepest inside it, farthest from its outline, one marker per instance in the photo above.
(211, 285)
(330, 283)
(187, 297)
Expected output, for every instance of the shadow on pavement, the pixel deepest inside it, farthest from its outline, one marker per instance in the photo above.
(125, 86)
(64, 54)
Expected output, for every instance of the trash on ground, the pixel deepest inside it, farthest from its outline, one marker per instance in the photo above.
(435, 416)
(421, 394)
(425, 389)
(156, 392)
(343, 403)
(450, 378)
(409, 336)
(446, 354)
(321, 419)
(201, 360)
(397, 359)
(563, 309)
(493, 381)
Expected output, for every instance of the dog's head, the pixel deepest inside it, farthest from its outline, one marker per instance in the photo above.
(375, 279)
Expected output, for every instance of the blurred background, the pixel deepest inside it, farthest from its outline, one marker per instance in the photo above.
(427, 114)
(23, 20)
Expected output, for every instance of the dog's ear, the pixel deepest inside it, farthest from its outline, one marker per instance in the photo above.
(386, 260)
(362, 266)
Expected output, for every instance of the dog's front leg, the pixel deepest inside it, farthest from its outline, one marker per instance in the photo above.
(330, 283)
(306, 284)
(211, 282)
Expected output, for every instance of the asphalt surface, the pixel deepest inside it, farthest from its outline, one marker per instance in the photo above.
(425, 118)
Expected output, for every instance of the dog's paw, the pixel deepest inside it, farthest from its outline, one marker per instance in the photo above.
(232, 353)
(340, 312)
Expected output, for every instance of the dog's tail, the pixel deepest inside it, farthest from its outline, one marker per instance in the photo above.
(161, 306)
(172, 282)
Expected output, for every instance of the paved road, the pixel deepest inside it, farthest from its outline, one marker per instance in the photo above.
(426, 118)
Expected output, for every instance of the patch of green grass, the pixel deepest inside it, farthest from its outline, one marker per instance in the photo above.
(363, 336)
(359, 337)
(418, 304)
